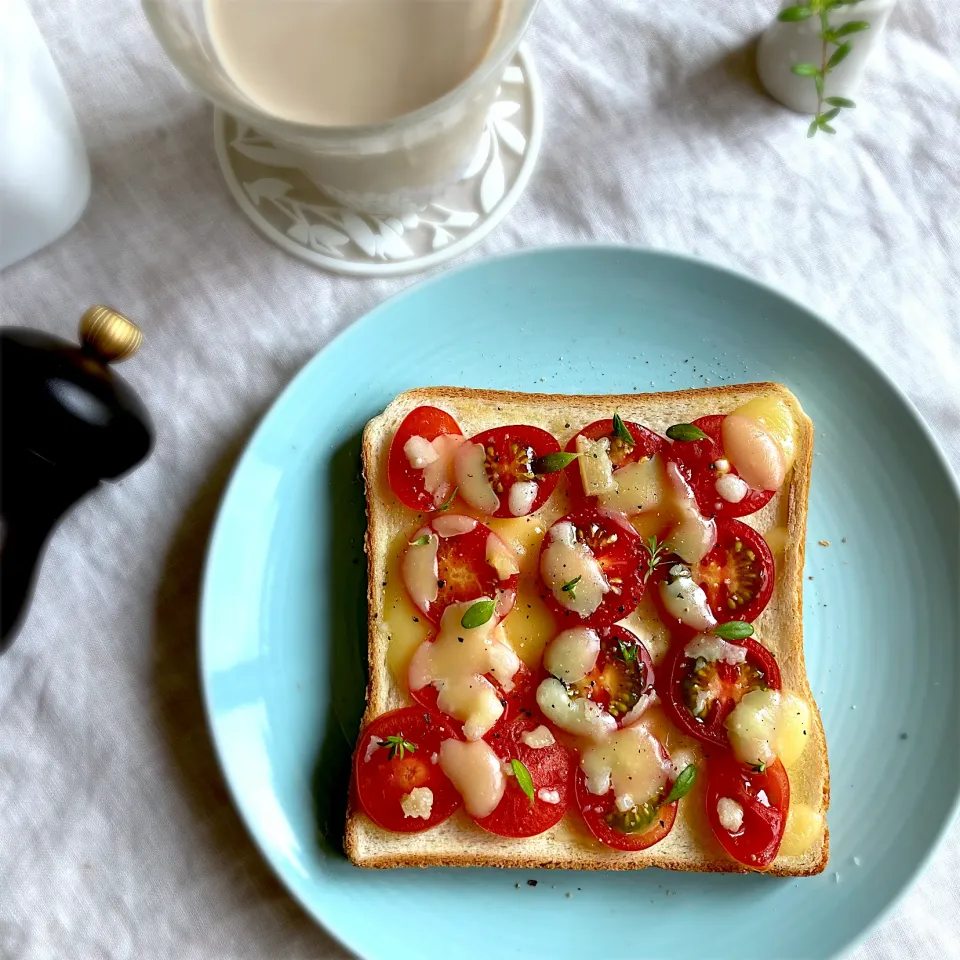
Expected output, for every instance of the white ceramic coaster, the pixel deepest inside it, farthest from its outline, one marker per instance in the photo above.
(290, 210)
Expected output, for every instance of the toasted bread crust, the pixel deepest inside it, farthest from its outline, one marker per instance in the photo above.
(460, 843)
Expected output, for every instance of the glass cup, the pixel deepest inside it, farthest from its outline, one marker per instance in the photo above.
(389, 168)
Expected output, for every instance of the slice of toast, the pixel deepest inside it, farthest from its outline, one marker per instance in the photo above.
(691, 844)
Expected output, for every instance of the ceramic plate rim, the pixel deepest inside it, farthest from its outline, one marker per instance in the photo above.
(415, 289)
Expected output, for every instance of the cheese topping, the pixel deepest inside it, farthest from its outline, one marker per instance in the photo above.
(732, 489)
(715, 648)
(804, 827)
(453, 525)
(775, 416)
(473, 484)
(641, 487)
(630, 762)
(767, 724)
(420, 570)
(686, 600)
(417, 803)
(436, 471)
(419, 452)
(571, 655)
(501, 558)
(455, 663)
(596, 467)
(548, 796)
(730, 813)
(576, 715)
(694, 535)
(566, 560)
(372, 746)
(521, 497)
(474, 770)
(538, 738)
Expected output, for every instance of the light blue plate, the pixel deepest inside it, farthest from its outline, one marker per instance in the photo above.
(283, 616)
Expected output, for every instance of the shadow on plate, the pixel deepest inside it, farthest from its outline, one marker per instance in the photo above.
(346, 637)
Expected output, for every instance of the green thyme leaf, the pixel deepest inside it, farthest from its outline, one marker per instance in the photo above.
(421, 541)
(397, 746)
(818, 83)
(812, 129)
(825, 127)
(795, 14)
(448, 503)
(570, 587)
(733, 630)
(655, 557)
(621, 432)
(759, 768)
(477, 614)
(524, 780)
(686, 432)
(805, 69)
(839, 55)
(855, 26)
(830, 114)
(628, 653)
(840, 102)
(553, 462)
(683, 784)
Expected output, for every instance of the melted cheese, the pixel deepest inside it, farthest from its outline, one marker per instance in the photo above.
(420, 570)
(628, 761)
(404, 625)
(576, 715)
(419, 452)
(475, 771)
(685, 599)
(596, 467)
(453, 525)
(775, 416)
(564, 560)
(548, 796)
(455, 663)
(437, 473)
(768, 724)
(501, 558)
(730, 488)
(647, 625)
(417, 803)
(521, 498)
(758, 457)
(804, 827)
(730, 814)
(715, 648)
(641, 487)
(571, 655)
(694, 535)
(538, 738)
(473, 484)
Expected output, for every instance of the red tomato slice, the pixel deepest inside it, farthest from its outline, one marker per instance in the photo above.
(510, 456)
(647, 444)
(551, 769)
(462, 570)
(699, 457)
(619, 550)
(384, 775)
(712, 687)
(407, 481)
(623, 675)
(521, 694)
(738, 573)
(765, 799)
(610, 826)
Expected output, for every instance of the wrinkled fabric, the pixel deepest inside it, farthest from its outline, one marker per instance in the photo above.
(117, 838)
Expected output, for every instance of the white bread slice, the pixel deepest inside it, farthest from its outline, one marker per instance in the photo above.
(690, 845)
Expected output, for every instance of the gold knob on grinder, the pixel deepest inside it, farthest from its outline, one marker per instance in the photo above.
(109, 334)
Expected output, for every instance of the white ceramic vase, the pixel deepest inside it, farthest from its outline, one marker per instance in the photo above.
(784, 44)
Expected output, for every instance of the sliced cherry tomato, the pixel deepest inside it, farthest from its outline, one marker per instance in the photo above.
(406, 480)
(765, 799)
(551, 770)
(699, 695)
(519, 697)
(699, 457)
(394, 756)
(638, 828)
(511, 455)
(622, 676)
(618, 549)
(738, 573)
(463, 571)
(646, 444)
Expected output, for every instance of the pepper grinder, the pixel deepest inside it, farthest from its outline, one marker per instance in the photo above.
(67, 421)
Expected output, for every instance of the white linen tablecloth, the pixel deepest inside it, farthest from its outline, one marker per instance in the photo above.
(117, 838)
